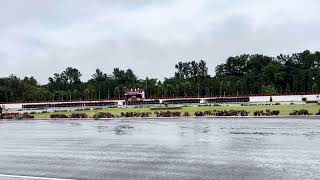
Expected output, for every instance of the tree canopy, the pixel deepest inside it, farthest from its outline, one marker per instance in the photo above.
(239, 75)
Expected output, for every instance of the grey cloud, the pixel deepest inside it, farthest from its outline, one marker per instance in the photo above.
(40, 38)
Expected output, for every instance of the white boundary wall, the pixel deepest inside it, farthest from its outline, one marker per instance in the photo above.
(284, 99)
(16, 106)
(11, 106)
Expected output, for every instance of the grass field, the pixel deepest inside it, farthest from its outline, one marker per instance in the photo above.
(284, 109)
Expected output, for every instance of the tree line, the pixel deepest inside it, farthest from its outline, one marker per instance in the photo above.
(239, 75)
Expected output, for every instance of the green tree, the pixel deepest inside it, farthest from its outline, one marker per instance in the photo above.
(269, 89)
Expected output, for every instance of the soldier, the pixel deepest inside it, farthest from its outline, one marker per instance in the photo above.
(0, 112)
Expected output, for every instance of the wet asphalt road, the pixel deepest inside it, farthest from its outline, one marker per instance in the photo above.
(161, 149)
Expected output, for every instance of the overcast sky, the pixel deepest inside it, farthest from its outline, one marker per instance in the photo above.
(41, 37)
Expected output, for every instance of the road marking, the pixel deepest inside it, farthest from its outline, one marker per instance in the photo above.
(31, 177)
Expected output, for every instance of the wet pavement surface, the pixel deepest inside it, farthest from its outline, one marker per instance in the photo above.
(201, 148)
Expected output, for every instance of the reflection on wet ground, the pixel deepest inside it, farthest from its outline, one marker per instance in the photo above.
(122, 129)
(162, 149)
